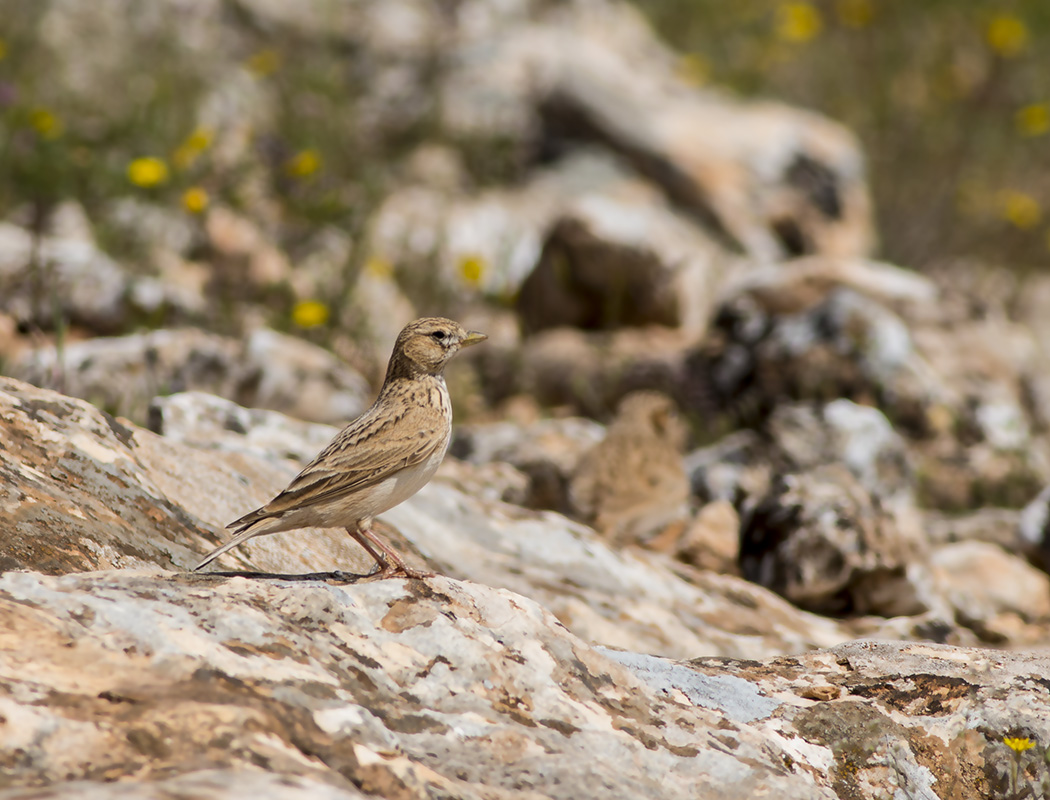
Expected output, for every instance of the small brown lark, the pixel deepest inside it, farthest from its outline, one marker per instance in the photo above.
(633, 484)
(381, 458)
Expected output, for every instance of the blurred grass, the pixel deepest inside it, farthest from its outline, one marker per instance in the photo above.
(290, 148)
(951, 101)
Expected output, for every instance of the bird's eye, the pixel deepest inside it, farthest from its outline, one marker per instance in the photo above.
(439, 336)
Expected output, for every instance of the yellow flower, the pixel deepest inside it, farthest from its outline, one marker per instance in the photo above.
(1020, 209)
(1007, 35)
(379, 267)
(191, 148)
(310, 313)
(1033, 120)
(45, 123)
(471, 269)
(195, 200)
(1018, 744)
(264, 63)
(798, 22)
(148, 172)
(693, 69)
(855, 13)
(303, 164)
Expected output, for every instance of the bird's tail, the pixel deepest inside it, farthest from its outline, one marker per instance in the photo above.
(244, 529)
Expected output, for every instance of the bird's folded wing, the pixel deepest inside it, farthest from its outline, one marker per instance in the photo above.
(361, 456)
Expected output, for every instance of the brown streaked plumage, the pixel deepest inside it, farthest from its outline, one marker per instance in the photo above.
(381, 458)
(633, 483)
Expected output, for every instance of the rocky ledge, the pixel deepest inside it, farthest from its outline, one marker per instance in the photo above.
(541, 664)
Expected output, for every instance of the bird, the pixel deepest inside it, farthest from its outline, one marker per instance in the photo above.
(633, 483)
(378, 460)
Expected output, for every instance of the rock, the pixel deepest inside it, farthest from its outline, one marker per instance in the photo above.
(822, 541)
(847, 346)
(632, 486)
(152, 226)
(496, 480)
(916, 719)
(770, 179)
(858, 437)
(206, 784)
(84, 491)
(1033, 528)
(310, 681)
(244, 254)
(590, 372)
(734, 468)
(547, 452)
(211, 685)
(799, 284)
(456, 241)
(78, 494)
(268, 370)
(608, 263)
(955, 386)
(996, 525)
(217, 686)
(998, 595)
(712, 539)
(374, 316)
(149, 364)
(301, 379)
(71, 276)
(209, 422)
(798, 439)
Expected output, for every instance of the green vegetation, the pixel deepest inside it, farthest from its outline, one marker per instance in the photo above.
(951, 101)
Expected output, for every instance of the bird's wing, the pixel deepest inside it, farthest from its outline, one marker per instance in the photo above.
(371, 449)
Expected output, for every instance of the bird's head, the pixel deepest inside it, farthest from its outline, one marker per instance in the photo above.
(654, 413)
(426, 345)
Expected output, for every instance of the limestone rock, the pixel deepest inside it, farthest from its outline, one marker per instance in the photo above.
(956, 385)
(546, 451)
(994, 593)
(858, 437)
(800, 438)
(143, 680)
(211, 422)
(711, 540)
(1033, 528)
(608, 263)
(244, 254)
(591, 371)
(71, 274)
(399, 688)
(268, 370)
(770, 179)
(846, 346)
(217, 686)
(825, 543)
(84, 491)
(298, 378)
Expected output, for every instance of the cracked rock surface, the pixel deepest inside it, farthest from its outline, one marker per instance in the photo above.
(541, 663)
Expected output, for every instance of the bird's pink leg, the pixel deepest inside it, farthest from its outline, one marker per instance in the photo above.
(363, 535)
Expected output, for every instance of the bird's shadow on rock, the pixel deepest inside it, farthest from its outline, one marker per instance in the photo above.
(338, 576)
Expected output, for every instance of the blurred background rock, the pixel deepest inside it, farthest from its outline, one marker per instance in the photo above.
(816, 229)
(809, 236)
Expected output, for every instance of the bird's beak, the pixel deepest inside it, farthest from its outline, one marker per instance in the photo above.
(472, 337)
